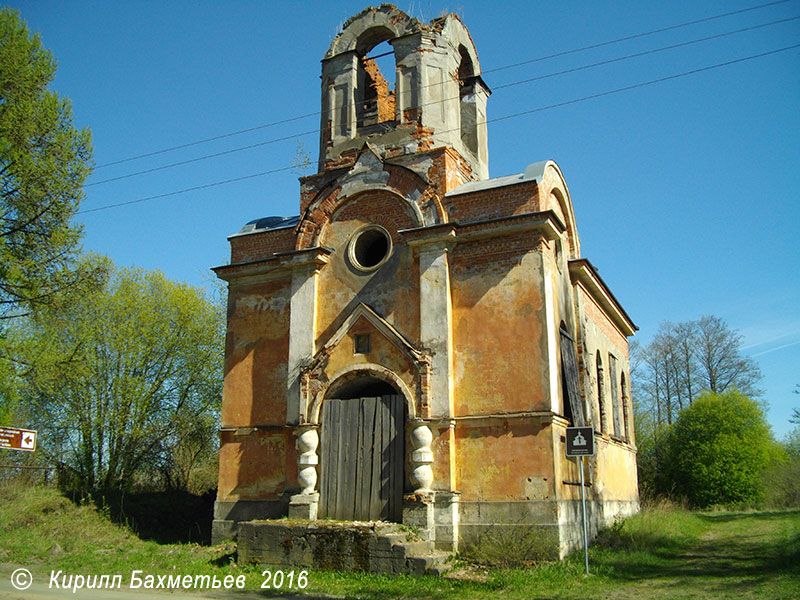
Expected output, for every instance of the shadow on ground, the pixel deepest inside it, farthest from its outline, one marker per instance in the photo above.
(168, 517)
(731, 556)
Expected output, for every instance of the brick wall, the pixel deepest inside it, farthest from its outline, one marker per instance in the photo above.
(503, 201)
(257, 246)
(382, 208)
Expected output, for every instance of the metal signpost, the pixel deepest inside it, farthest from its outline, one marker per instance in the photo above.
(580, 443)
(13, 438)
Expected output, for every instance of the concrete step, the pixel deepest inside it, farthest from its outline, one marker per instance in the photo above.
(395, 553)
(435, 563)
(386, 541)
(408, 549)
(442, 568)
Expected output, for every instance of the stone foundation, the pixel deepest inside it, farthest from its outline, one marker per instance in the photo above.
(228, 515)
(330, 545)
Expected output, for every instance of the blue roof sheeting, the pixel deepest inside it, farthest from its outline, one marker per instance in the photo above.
(267, 223)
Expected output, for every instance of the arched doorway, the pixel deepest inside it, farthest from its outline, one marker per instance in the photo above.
(362, 451)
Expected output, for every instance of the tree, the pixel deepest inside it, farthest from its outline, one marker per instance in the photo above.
(44, 162)
(722, 366)
(718, 450)
(126, 381)
(795, 418)
(685, 359)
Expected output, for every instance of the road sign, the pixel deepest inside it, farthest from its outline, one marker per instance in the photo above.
(580, 441)
(13, 438)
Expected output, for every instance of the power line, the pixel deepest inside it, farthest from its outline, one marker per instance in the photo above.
(494, 120)
(501, 68)
(507, 85)
(185, 190)
(645, 53)
(635, 36)
(205, 157)
(644, 83)
(211, 139)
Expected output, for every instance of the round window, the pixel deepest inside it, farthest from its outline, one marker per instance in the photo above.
(370, 248)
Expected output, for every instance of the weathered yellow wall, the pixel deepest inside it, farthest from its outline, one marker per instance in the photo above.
(256, 351)
(504, 459)
(256, 466)
(614, 470)
(498, 326)
(382, 352)
(392, 291)
(600, 334)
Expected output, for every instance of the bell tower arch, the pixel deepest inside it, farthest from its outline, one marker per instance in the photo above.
(439, 98)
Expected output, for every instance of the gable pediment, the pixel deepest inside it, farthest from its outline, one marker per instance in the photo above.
(363, 313)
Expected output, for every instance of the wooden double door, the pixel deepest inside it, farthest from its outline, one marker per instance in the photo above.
(362, 458)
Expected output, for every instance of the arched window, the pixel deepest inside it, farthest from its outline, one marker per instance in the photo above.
(601, 395)
(615, 408)
(573, 405)
(466, 82)
(625, 405)
(376, 102)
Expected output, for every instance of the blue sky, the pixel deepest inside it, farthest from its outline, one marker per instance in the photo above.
(685, 192)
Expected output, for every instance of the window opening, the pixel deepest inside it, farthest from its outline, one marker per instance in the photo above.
(625, 414)
(376, 83)
(361, 343)
(612, 365)
(370, 248)
(601, 396)
(573, 408)
(466, 82)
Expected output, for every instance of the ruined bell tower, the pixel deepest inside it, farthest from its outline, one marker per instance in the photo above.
(439, 98)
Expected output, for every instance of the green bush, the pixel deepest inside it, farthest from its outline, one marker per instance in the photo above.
(719, 448)
(782, 484)
(782, 478)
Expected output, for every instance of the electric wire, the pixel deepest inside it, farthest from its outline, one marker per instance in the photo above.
(496, 69)
(186, 190)
(424, 105)
(634, 36)
(644, 53)
(494, 120)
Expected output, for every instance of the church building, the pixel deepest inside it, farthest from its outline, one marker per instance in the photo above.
(412, 346)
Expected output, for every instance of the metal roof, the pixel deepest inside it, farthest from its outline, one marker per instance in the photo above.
(267, 223)
(534, 172)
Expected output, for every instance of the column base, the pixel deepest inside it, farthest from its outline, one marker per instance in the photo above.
(303, 507)
(418, 513)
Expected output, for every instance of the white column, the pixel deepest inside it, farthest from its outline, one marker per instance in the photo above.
(421, 457)
(307, 460)
(436, 318)
(302, 321)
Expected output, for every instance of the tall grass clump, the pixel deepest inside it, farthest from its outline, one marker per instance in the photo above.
(39, 523)
(508, 546)
(662, 525)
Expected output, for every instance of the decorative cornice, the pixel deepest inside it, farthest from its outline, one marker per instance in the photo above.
(280, 264)
(583, 272)
(545, 223)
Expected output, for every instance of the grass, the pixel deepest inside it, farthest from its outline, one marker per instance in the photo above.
(664, 552)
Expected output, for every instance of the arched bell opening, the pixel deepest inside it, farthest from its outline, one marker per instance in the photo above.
(376, 100)
(466, 81)
(362, 450)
